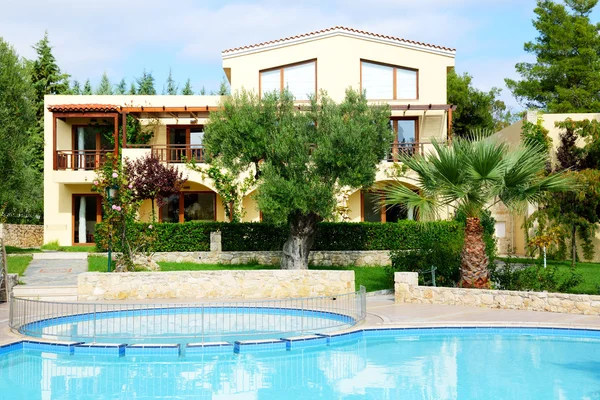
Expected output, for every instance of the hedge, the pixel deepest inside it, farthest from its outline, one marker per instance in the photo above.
(195, 236)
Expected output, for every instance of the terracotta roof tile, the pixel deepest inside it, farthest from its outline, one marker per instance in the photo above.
(338, 28)
(84, 108)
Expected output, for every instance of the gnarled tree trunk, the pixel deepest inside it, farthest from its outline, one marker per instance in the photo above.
(300, 241)
(474, 261)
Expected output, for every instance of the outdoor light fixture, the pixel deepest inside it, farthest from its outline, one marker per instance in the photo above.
(111, 193)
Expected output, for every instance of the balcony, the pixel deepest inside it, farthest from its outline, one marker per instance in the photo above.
(179, 153)
(79, 160)
(406, 149)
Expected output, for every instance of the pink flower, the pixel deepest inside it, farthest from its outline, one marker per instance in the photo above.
(114, 207)
(115, 175)
(149, 226)
(131, 186)
(96, 183)
(118, 208)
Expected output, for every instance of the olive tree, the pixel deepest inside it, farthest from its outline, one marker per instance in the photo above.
(300, 156)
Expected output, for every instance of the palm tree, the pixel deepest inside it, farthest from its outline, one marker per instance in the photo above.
(471, 176)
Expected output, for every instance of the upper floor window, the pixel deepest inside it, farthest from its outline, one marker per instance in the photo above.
(388, 82)
(300, 79)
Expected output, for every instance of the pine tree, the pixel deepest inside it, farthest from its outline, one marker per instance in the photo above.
(87, 88)
(224, 87)
(105, 87)
(121, 88)
(202, 91)
(76, 87)
(566, 74)
(146, 84)
(46, 78)
(187, 89)
(132, 89)
(171, 85)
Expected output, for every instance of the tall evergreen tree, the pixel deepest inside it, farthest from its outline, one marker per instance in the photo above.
(105, 87)
(171, 86)
(187, 89)
(223, 88)
(145, 84)
(121, 88)
(75, 87)
(21, 183)
(203, 91)
(566, 74)
(46, 78)
(132, 89)
(87, 88)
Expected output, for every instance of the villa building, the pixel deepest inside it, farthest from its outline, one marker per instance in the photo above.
(81, 130)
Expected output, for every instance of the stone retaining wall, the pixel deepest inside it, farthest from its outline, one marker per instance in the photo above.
(259, 284)
(407, 290)
(324, 258)
(22, 235)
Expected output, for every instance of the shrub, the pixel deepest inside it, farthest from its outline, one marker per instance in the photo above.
(195, 236)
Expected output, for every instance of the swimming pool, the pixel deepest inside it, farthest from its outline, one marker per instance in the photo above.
(137, 323)
(450, 363)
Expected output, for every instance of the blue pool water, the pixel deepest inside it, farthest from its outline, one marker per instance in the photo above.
(407, 364)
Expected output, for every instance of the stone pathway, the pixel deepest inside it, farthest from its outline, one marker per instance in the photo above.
(55, 269)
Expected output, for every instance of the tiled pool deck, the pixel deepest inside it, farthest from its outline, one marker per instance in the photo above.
(384, 313)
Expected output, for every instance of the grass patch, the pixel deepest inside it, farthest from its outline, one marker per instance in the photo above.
(589, 271)
(18, 264)
(98, 263)
(54, 246)
(21, 250)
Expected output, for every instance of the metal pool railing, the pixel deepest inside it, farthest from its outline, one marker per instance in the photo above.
(192, 322)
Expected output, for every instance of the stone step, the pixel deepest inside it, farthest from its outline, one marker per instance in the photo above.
(59, 255)
(46, 293)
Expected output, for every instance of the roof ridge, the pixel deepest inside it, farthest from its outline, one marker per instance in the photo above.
(334, 28)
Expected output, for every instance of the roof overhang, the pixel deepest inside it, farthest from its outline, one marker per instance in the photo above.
(338, 31)
(99, 110)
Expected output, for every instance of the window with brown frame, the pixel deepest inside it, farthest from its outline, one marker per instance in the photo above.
(299, 78)
(406, 138)
(388, 82)
(189, 206)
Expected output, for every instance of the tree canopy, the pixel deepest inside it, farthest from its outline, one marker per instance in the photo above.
(300, 158)
(566, 74)
(105, 87)
(20, 186)
(476, 109)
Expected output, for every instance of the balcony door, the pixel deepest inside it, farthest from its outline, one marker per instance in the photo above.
(89, 147)
(374, 210)
(406, 137)
(185, 142)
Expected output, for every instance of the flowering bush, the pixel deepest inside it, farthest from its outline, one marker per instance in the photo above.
(120, 209)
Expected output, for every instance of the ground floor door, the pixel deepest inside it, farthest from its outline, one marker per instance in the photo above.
(87, 211)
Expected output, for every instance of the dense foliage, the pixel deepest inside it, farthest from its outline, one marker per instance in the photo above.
(565, 76)
(476, 109)
(21, 183)
(339, 236)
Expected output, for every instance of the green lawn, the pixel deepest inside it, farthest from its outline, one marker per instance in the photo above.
(18, 264)
(21, 250)
(589, 271)
(373, 278)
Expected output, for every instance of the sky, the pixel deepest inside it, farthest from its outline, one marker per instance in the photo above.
(124, 37)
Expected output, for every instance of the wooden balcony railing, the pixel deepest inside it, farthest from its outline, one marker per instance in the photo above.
(84, 160)
(179, 153)
(405, 149)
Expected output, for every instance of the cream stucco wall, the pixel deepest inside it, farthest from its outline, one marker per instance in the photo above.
(338, 64)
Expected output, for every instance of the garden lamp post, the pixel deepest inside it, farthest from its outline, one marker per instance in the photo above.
(111, 192)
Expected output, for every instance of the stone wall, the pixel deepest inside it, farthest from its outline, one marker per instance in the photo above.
(407, 290)
(13, 280)
(22, 235)
(258, 284)
(324, 258)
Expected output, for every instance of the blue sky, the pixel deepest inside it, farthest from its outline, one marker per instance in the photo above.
(122, 37)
